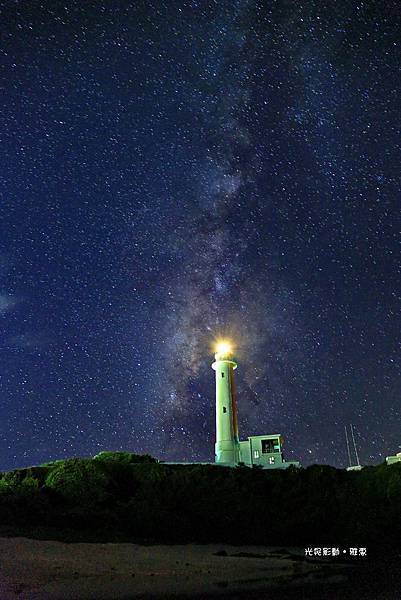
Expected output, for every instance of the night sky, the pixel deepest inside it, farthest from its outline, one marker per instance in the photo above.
(175, 171)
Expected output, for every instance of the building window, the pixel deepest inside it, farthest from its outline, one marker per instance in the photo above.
(270, 446)
(222, 374)
(272, 460)
(224, 409)
(256, 454)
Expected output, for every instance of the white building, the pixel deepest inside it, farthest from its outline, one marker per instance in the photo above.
(390, 460)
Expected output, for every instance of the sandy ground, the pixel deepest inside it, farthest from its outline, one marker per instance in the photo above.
(36, 569)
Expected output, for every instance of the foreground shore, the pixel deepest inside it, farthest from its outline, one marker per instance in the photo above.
(38, 569)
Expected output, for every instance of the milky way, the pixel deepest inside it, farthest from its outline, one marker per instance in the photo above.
(177, 171)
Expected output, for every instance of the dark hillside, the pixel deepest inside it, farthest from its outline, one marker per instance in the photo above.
(122, 496)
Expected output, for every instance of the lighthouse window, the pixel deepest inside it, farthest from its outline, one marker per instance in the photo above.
(224, 409)
(222, 374)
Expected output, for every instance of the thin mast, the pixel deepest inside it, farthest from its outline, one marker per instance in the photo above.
(346, 437)
(356, 451)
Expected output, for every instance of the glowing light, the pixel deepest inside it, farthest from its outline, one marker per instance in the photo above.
(223, 347)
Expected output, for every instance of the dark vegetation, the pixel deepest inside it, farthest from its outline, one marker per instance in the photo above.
(125, 497)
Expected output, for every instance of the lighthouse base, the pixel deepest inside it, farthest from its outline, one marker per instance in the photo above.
(227, 453)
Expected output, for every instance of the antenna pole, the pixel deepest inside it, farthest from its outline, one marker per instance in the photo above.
(346, 438)
(356, 451)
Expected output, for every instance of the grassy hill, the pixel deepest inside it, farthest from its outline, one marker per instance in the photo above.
(126, 497)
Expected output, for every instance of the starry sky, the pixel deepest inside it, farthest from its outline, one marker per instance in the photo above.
(174, 171)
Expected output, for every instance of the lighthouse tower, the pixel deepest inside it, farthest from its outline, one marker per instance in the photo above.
(227, 442)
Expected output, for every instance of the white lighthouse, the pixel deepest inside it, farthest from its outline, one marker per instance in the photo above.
(227, 442)
(258, 450)
(264, 451)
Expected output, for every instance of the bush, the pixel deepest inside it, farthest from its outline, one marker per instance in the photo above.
(79, 480)
(126, 458)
